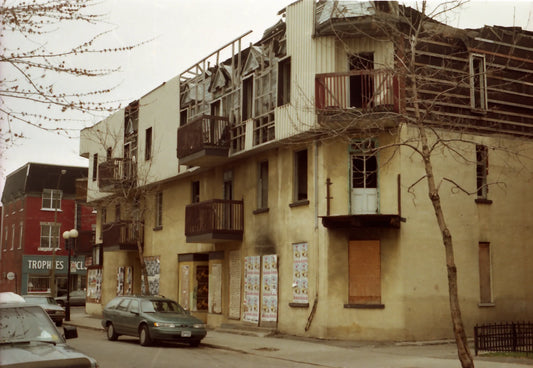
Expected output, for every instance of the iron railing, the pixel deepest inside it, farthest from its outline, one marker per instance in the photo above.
(204, 132)
(504, 337)
(367, 90)
(216, 216)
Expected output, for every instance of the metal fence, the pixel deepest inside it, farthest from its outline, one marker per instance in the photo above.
(504, 337)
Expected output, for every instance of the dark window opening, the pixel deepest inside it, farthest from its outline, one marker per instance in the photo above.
(95, 166)
(284, 82)
(247, 98)
(479, 83)
(262, 185)
(148, 144)
(482, 170)
(195, 192)
(300, 170)
(361, 86)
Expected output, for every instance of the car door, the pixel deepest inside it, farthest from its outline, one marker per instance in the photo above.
(121, 313)
(132, 318)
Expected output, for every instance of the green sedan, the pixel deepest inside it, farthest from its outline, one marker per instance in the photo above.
(151, 318)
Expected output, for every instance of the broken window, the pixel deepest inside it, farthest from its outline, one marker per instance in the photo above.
(284, 82)
(148, 144)
(262, 185)
(482, 170)
(300, 175)
(478, 82)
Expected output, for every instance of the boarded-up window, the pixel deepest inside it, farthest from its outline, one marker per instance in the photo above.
(365, 272)
(485, 288)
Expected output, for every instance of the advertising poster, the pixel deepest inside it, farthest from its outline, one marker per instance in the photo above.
(269, 306)
(300, 282)
(252, 279)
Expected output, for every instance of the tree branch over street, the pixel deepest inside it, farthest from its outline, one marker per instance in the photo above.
(48, 70)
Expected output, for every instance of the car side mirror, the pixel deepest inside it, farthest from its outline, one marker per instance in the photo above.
(70, 332)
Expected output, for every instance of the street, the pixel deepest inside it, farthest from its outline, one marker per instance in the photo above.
(127, 353)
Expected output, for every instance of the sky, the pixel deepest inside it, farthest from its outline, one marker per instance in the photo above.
(182, 32)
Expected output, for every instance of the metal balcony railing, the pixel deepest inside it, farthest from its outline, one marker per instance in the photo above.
(203, 133)
(214, 220)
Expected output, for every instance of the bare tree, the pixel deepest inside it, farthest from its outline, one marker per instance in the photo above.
(43, 65)
(434, 85)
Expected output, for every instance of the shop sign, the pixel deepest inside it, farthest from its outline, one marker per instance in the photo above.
(44, 263)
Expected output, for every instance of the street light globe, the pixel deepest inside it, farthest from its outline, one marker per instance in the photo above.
(66, 234)
(73, 233)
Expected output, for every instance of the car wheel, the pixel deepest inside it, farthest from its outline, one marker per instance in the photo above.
(144, 336)
(195, 343)
(111, 334)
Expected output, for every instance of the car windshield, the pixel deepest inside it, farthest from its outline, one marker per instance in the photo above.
(151, 306)
(27, 323)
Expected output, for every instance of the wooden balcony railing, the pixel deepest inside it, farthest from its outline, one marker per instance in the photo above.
(207, 133)
(116, 173)
(215, 220)
(122, 235)
(367, 90)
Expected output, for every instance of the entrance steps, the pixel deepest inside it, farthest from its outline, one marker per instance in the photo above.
(241, 328)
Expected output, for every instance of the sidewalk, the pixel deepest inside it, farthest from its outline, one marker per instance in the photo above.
(331, 353)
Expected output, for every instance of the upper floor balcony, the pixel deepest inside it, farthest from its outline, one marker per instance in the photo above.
(122, 235)
(214, 221)
(205, 141)
(342, 96)
(116, 173)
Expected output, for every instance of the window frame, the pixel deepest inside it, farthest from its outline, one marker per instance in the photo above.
(148, 144)
(158, 212)
(50, 226)
(262, 184)
(478, 82)
(284, 82)
(95, 167)
(49, 195)
(482, 171)
(301, 176)
(195, 191)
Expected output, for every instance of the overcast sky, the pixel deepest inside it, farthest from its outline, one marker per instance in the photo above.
(184, 32)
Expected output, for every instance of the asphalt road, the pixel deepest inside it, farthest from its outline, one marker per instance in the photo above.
(127, 353)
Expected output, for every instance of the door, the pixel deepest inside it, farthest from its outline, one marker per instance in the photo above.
(362, 85)
(364, 188)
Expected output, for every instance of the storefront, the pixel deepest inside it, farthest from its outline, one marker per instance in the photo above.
(37, 274)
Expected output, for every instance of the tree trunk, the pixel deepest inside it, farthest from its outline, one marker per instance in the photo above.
(463, 351)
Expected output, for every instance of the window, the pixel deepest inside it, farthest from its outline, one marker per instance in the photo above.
(364, 267)
(159, 210)
(12, 237)
(482, 170)
(478, 82)
(247, 98)
(364, 165)
(95, 166)
(485, 282)
(300, 175)
(262, 185)
(21, 232)
(195, 192)
(108, 153)
(183, 117)
(117, 213)
(51, 199)
(5, 238)
(103, 215)
(49, 235)
(284, 82)
(148, 144)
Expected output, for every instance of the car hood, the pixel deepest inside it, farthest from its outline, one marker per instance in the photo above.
(60, 355)
(174, 318)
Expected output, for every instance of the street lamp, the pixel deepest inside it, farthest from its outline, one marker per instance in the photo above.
(67, 235)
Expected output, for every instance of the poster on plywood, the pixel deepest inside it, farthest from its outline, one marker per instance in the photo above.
(252, 279)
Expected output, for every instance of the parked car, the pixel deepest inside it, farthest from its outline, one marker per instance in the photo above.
(56, 312)
(151, 318)
(77, 298)
(29, 338)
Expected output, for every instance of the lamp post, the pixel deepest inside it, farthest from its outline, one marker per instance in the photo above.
(67, 235)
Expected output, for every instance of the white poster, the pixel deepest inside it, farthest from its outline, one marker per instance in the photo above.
(269, 283)
(300, 281)
(252, 279)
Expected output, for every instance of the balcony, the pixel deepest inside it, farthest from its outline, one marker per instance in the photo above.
(115, 174)
(214, 221)
(343, 96)
(81, 190)
(122, 235)
(204, 141)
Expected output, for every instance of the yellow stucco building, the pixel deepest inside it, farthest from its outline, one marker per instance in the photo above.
(283, 187)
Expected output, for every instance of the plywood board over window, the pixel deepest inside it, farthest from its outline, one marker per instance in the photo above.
(364, 272)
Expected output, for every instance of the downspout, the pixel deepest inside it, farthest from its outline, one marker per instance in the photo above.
(317, 237)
